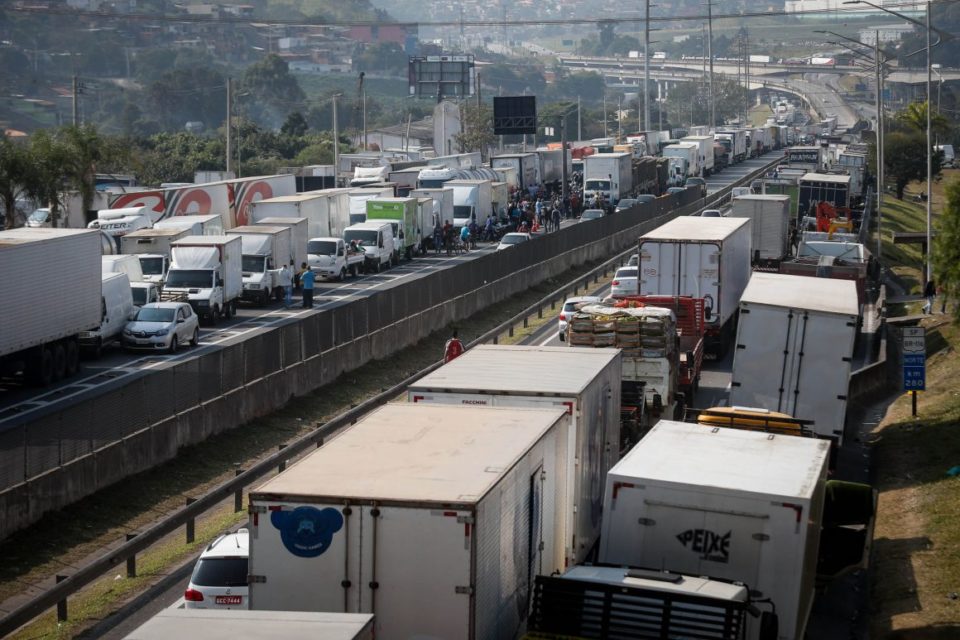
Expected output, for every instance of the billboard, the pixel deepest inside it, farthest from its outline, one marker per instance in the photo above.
(440, 77)
(514, 115)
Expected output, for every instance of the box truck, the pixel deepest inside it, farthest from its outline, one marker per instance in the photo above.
(723, 503)
(205, 225)
(527, 166)
(357, 204)
(705, 258)
(116, 223)
(264, 250)
(471, 201)
(609, 176)
(436, 519)
(299, 235)
(254, 625)
(401, 213)
(40, 335)
(704, 152)
(208, 270)
(795, 347)
(152, 248)
(327, 211)
(735, 142)
(769, 225)
(583, 382)
(551, 166)
(684, 161)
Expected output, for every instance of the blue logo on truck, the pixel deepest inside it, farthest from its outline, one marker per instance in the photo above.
(307, 532)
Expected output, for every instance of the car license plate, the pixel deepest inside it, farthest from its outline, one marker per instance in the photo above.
(229, 599)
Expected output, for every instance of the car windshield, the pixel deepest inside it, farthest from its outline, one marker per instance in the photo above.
(253, 264)
(220, 572)
(155, 314)
(39, 215)
(151, 266)
(195, 278)
(322, 248)
(512, 239)
(366, 236)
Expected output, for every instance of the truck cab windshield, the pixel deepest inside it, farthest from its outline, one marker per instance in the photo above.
(253, 264)
(322, 248)
(597, 185)
(367, 236)
(190, 278)
(151, 266)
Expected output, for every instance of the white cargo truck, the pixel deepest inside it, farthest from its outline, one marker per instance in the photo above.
(327, 211)
(152, 248)
(704, 152)
(795, 348)
(264, 250)
(357, 204)
(471, 201)
(735, 142)
(299, 235)
(436, 519)
(583, 382)
(687, 156)
(201, 225)
(705, 258)
(769, 225)
(254, 625)
(375, 239)
(40, 334)
(116, 223)
(608, 175)
(527, 166)
(724, 503)
(208, 270)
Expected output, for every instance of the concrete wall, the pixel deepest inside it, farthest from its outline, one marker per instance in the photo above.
(136, 425)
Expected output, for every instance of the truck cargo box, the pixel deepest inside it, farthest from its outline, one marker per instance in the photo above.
(724, 503)
(584, 383)
(436, 519)
(769, 223)
(795, 348)
(249, 625)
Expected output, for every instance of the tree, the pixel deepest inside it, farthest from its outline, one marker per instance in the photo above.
(268, 91)
(914, 117)
(48, 156)
(15, 174)
(946, 248)
(84, 148)
(477, 134)
(586, 84)
(295, 125)
(905, 159)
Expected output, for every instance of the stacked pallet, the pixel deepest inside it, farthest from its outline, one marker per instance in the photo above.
(642, 332)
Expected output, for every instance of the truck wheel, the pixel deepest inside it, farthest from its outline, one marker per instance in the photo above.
(409, 253)
(40, 370)
(231, 309)
(379, 266)
(214, 315)
(72, 353)
(343, 274)
(59, 361)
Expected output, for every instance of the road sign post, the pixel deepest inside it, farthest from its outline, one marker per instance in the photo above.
(914, 362)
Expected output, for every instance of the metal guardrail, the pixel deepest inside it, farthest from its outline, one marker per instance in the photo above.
(56, 596)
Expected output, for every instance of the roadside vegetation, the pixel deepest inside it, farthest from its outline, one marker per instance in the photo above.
(916, 557)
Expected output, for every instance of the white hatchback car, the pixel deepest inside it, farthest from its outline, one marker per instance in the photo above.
(625, 282)
(219, 579)
(162, 326)
(570, 306)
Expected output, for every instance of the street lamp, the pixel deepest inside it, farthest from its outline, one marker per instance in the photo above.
(936, 67)
(879, 62)
(929, 264)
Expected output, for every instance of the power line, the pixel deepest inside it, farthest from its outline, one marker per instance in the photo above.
(321, 22)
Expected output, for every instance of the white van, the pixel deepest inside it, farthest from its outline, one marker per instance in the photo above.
(126, 263)
(376, 239)
(116, 308)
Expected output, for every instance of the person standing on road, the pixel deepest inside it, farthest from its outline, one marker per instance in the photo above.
(286, 281)
(306, 281)
(556, 219)
(929, 292)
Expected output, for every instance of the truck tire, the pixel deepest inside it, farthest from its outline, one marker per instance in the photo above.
(379, 266)
(230, 309)
(72, 353)
(59, 361)
(214, 315)
(342, 275)
(40, 369)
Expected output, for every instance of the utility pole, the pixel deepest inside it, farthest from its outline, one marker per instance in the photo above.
(229, 126)
(929, 255)
(713, 102)
(879, 138)
(619, 119)
(565, 189)
(579, 130)
(646, 68)
(76, 90)
(336, 142)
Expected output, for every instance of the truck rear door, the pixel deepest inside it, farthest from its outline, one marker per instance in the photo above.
(681, 269)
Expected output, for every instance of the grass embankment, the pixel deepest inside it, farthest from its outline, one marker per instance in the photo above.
(62, 540)
(916, 560)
